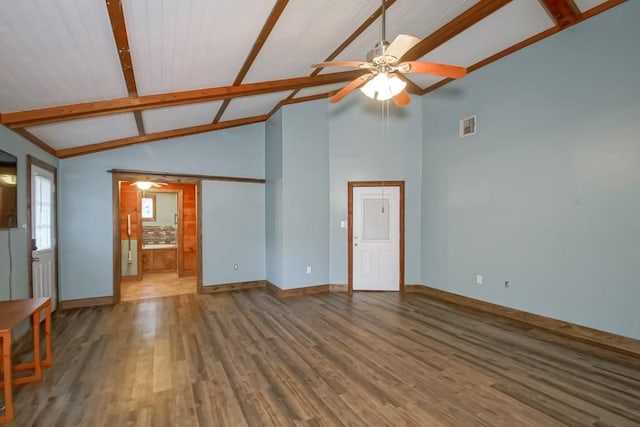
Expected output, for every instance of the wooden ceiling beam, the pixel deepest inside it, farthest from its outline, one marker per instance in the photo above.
(122, 105)
(268, 26)
(563, 12)
(531, 40)
(116, 17)
(470, 17)
(157, 136)
(119, 29)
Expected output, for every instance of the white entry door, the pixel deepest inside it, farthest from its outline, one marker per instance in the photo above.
(376, 238)
(43, 234)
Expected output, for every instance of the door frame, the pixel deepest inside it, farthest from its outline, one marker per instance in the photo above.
(116, 178)
(32, 160)
(350, 186)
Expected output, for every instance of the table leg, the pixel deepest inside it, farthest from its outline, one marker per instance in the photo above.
(48, 361)
(6, 369)
(37, 367)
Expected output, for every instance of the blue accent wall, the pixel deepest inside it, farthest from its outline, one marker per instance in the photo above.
(21, 148)
(362, 149)
(273, 199)
(86, 253)
(546, 195)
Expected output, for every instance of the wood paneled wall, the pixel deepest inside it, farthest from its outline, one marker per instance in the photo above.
(129, 205)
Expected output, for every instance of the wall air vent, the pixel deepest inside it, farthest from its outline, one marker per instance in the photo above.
(467, 126)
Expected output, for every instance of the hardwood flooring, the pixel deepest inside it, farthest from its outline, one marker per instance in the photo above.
(247, 358)
(154, 285)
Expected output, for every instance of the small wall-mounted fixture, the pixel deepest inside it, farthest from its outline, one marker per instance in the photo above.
(467, 126)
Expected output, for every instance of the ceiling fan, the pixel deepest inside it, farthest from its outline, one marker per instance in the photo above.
(145, 185)
(383, 65)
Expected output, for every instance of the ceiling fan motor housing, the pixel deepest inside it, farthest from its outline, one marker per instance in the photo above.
(376, 54)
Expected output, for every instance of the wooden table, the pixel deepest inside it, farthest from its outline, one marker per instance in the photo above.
(13, 313)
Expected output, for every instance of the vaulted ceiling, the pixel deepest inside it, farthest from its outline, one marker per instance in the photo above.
(80, 76)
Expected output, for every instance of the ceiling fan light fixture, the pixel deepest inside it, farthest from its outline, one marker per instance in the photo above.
(383, 86)
(143, 185)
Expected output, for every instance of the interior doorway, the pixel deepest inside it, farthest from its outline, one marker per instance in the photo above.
(156, 236)
(376, 236)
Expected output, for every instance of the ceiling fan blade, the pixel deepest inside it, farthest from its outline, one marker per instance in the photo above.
(401, 45)
(402, 98)
(356, 64)
(350, 87)
(444, 70)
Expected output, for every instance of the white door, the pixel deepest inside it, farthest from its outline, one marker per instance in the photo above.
(43, 234)
(376, 238)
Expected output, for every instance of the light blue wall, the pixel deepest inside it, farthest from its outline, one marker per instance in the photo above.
(305, 194)
(233, 232)
(547, 194)
(273, 199)
(19, 147)
(86, 256)
(360, 149)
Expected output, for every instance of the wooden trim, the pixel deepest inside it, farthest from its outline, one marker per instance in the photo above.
(338, 288)
(86, 302)
(119, 29)
(31, 160)
(199, 284)
(35, 140)
(268, 26)
(294, 292)
(229, 287)
(184, 178)
(470, 17)
(157, 136)
(563, 12)
(117, 249)
(39, 116)
(531, 40)
(139, 257)
(139, 123)
(180, 239)
(350, 186)
(567, 329)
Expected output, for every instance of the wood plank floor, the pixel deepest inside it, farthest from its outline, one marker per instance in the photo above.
(248, 358)
(155, 285)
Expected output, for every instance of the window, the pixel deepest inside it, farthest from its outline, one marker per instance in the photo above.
(43, 227)
(149, 207)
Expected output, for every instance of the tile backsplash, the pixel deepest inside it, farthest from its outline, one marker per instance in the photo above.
(158, 235)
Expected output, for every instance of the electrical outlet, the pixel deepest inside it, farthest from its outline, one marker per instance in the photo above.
(308, 269)
(479, 279)
(506, 283)
(235, 266)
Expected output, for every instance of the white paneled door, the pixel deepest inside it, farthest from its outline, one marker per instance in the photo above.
(43, 234)
(376, 238)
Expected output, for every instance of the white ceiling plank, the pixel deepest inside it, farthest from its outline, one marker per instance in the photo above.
(181, 45)
(424, 80)
(306, 33)
(419, 18)
(250, 106)
(75, 133)
(57, 53)
(183, 116)
(585, 5)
